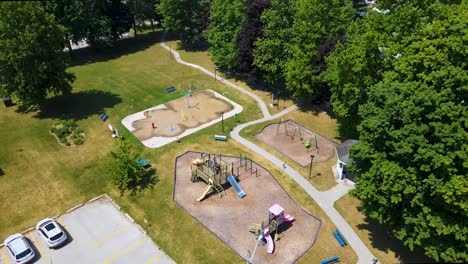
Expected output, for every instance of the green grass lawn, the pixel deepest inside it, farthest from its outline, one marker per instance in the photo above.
(43, 178)
(376, 236)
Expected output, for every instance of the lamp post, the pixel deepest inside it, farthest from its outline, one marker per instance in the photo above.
(310, 168)
(215, 74)
(222, 122)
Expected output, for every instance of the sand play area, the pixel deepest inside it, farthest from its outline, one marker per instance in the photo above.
(288, 137)
(166, 123)
(229, 217)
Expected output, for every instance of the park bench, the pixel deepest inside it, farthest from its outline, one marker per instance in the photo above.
(330, 260)
(220, 138)
(340, 238)
(170, 89)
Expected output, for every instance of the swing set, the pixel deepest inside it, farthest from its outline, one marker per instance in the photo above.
(296, 133)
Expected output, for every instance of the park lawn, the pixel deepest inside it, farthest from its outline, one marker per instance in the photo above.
(318, 121)
(203, 59)
(376, 236)
(41, 174)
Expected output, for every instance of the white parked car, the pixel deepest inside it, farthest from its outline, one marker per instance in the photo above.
(52, 233)
(19, 248)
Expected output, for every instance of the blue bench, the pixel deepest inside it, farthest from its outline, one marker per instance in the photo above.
(330, 260)
(170, 89)
(220, 138)
(144, 163)
(338, 238)
(104, 117)
(341, 236)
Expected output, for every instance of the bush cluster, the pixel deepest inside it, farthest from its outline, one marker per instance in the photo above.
(68, 133)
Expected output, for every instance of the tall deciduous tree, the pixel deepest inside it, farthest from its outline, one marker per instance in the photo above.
(184, 17)
(315, 22)
(226, 21)
(412, 160)
(251, 31)
(272, 51)
(32, 63)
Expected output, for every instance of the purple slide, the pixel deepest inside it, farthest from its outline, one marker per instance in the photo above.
(270, 243)
(288, 218)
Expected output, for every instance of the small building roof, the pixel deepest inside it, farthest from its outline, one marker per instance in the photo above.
(342, 150)
(276, 209)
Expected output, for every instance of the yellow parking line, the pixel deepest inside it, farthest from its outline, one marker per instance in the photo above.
(5, 259)
(108, 237)
(37, 245)
(60, 220)
(109, 260)
(154, 259)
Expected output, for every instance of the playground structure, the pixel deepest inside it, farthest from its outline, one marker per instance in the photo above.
(271, 225)
(228, 218)
(297, 133)
(216, 173)
(297, 142)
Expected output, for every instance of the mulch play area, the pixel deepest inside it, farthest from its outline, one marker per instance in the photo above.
(230, 217)
(289, 138)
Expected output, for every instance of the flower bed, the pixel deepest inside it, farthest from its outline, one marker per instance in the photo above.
(67, 133)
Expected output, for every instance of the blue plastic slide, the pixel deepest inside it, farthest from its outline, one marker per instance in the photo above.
(236, 186)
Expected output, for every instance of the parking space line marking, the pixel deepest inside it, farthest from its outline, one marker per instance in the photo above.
(97, 243)
(5, 259)
(37, 245)
(132, 246)
(60, 220)
(154, 259)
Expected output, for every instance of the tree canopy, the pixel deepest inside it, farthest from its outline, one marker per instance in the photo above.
(185, 17)
(412, 158)
(32, 63)
(226, 21)
(124, 169)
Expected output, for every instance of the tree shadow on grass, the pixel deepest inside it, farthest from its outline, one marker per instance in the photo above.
(122, 47)
(78, 105)
(149, 179)
(382, 240)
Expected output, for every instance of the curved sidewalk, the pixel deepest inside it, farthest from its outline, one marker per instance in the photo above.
(324, 199)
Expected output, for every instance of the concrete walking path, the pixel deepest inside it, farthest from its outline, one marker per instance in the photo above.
(324, 199)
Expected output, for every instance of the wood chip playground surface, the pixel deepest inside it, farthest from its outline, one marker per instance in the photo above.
(288, 137)
(175, 120)
(230, 216)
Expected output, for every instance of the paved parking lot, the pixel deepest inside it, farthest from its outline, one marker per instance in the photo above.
(98, 233)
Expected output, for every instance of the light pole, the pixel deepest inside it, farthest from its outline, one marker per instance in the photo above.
(310, 168)
(215, 74)
(222, 122)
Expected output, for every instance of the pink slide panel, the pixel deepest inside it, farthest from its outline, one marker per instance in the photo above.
(288, 218)
(270, 244)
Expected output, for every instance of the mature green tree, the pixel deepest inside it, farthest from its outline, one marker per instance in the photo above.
(412, 160)
(272, 51)
(99, 22)
(226, 21)
(32, 63)
(251, 31)
(69, 14)
(315, 22)
(185, 18)
(124, 169)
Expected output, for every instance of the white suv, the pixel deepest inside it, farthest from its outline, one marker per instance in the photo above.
(19, 248)
(52, 233)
